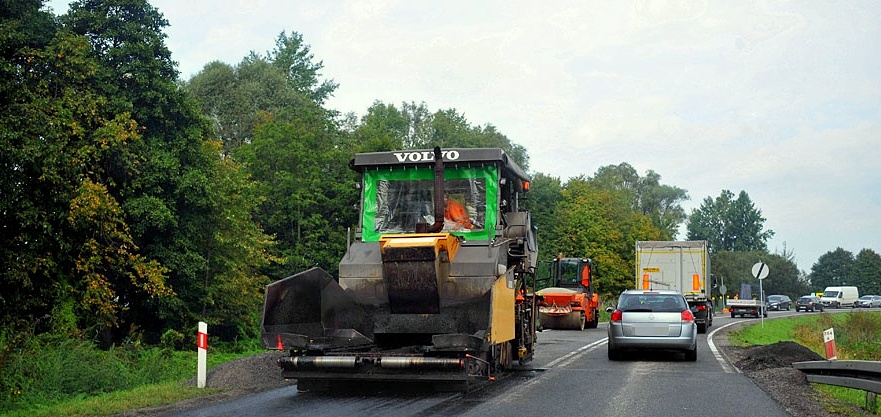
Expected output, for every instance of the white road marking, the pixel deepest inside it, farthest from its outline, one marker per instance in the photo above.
(727, 368)
(571, 356)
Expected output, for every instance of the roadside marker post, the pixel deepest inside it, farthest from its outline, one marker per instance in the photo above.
(202, 345)
(829, 341)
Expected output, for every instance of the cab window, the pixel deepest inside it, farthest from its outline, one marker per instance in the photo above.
(396, 201)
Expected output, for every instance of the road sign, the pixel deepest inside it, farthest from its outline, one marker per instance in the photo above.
(760, 270)
(723, 289)
(829, 341)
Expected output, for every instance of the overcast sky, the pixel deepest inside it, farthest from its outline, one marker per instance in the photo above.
(781, 99)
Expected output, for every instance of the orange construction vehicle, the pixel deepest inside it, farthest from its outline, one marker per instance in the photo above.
(569, 301)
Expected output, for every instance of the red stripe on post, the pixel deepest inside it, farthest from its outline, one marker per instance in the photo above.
(202, 342)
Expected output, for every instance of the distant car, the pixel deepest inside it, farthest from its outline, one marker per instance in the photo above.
(868, 301)
(779, 302)
(652, 320)
(808, 303)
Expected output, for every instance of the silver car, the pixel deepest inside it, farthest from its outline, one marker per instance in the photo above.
(652, 320)
(868, 301)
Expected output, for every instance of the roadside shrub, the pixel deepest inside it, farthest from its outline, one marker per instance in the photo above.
(12, 382)
(172, 340)
(47, 368)
(860, 334)
(856, 334)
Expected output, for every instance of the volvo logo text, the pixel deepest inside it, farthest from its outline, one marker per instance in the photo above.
(451, 155)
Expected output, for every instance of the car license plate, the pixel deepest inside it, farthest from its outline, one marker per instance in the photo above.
(652, 330)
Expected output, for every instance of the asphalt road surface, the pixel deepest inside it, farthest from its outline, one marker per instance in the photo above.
(570, 376)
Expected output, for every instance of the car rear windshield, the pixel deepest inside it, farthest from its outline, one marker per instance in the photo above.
(652, 302)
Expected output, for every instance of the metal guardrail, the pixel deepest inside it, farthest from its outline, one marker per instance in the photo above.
(861, 375)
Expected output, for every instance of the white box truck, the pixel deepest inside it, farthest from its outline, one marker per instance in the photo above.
(682, 266)
(835, 297)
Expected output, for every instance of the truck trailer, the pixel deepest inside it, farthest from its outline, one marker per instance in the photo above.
(682, 266)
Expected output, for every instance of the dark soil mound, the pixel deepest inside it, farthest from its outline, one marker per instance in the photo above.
(777, 355)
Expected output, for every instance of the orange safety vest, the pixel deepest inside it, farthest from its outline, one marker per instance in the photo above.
(456, 212)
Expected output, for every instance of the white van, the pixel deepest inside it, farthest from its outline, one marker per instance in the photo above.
(836, 297)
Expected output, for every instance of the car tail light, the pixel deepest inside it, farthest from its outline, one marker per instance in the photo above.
(616, 315)
(687, 317)
(701, 307)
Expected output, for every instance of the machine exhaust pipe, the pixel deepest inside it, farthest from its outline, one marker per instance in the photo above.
(349, 362)
(439, 201)
(397, 362)
(315, 362)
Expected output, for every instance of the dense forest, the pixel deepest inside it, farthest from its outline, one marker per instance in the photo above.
(135, 203)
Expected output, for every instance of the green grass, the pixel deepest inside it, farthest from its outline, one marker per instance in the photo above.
(52, 375)
(856, 338)
(117, 402)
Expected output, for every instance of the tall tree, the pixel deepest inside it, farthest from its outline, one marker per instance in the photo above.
(729, 224)
(237, 98)
(600, 224)
(294, 58)
(231, 112)
(301, 165)
(866, 272)
(661, 203)
(65, 239)
(168, 184)
(545, 193)
(383, 128)
(832, 268)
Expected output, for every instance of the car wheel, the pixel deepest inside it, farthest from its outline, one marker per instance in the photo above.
(596, 320)
(614, 354)
(732, 315)
(691, 355)
(702, 328)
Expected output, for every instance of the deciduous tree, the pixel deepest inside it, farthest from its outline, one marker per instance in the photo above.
(661, 203)
(600, 224)
(832, 268)
(170, 184)
(729, 224)
(866, 272)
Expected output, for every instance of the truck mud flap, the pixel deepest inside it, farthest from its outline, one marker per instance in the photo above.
(311, 311)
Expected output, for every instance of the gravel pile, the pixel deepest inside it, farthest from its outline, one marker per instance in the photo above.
(252, 374)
